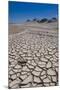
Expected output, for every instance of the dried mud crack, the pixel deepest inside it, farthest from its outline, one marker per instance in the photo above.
(33, 59)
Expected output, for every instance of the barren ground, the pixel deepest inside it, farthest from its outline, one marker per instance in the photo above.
(33, 55)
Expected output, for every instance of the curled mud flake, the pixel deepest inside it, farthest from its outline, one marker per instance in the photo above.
(46, 80)
(27, 80)
(25, 68)
(13, 76)
(11, 72)
(43, 73)
(48, 65)
(35, 73)
(51, 72)
(44, 59)
(38, 68)
(23, 77)
(17, 67)
(14, 82)
(37, 79)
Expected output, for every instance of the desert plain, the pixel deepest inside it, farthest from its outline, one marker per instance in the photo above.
(33, 55)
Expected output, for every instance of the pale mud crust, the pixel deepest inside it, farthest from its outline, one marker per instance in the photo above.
(33, 59)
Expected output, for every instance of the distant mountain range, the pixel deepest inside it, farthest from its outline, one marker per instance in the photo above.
(43, 20)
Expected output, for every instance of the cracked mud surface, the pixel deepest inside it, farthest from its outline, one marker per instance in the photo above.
(33, 59)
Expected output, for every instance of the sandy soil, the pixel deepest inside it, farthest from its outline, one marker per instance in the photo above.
(17, 28)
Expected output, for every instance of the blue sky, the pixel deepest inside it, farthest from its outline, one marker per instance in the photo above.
(19, 12)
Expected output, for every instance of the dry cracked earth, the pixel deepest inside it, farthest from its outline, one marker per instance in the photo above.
(33, 59)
